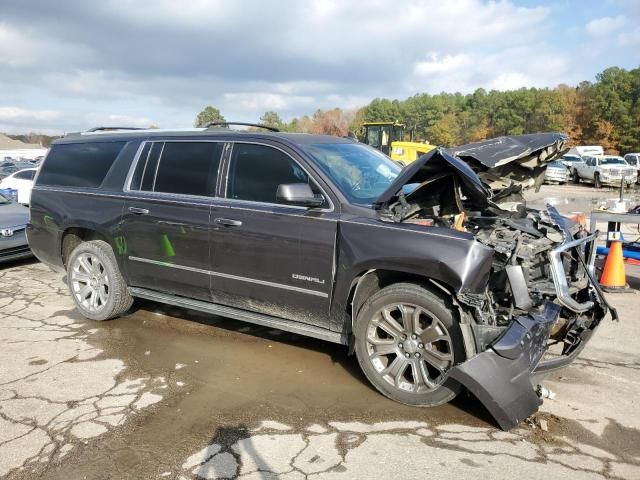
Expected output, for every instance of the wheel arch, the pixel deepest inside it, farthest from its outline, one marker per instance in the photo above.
(369, 282)
(73, 235)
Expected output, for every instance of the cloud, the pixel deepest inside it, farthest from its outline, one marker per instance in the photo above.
(605, 25)
(630, 38)
(162, 61)
(446, 64)
(24, 115)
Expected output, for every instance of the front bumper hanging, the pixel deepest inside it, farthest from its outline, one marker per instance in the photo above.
(500, 377)
(504, 376)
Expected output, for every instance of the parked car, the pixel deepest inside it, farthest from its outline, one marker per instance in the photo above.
(604, 170)
(556, 172)
(571, 160)
(6, 170)
(633, 159)
(13, 222)
(433, 287)
(22, 181)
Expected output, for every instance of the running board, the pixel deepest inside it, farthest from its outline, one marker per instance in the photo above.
(243, 315)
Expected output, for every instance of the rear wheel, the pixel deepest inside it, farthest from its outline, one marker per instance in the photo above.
(596, 181)
(95, 282)
(407, 340)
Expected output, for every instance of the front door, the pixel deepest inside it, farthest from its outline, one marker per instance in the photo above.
(267, 257)
(165, 223)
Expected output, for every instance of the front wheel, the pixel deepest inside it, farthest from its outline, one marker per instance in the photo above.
(596, 181)
(407, 340)
(95, 282)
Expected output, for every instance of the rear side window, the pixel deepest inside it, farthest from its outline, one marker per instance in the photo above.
(79, 164)
(187, 168)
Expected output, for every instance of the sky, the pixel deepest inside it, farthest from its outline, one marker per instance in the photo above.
(71, 65)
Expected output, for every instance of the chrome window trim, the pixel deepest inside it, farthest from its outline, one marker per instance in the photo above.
(134, 163)
(231, 277)
(136, 159)
(226, 180)
(146, 161)
(155, 174)
(266, 204)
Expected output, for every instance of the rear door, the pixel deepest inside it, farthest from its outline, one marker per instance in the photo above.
(165, 223)
(268, 257)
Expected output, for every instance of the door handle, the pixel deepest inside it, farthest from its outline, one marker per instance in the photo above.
(138, 211)
(227, 222)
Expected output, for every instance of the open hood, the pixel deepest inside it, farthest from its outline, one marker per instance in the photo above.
(497, 168)
(429, 166)
(516, 159)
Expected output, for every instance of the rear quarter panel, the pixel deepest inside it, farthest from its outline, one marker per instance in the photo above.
(54, 209)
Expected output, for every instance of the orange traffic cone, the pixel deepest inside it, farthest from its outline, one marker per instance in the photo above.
(613, 276)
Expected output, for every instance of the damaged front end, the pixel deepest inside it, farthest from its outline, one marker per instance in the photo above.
(541, 303)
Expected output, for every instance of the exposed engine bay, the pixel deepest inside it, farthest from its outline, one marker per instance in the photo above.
(541, 302)
(522, 280)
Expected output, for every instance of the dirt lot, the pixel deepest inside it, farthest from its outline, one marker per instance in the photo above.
(171, 393)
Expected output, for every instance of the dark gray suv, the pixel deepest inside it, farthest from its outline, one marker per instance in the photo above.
(418, 270)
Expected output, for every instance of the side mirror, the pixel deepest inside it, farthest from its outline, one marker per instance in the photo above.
(299, 194)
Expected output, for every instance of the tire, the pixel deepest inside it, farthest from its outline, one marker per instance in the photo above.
(382, 350)
(575, 177)
(95, 282)
(596, 181)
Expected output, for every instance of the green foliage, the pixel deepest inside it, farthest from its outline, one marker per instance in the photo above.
(209, 114)
(272, 119)
(606, 112)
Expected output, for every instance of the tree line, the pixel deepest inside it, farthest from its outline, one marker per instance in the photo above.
(605, 112)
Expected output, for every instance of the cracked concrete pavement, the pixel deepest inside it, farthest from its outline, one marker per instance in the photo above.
(170, 393)
(56, 389)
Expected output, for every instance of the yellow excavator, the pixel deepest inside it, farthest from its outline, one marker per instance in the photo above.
(388, 137)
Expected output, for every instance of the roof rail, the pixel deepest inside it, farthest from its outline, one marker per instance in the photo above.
(226, 124)
(106, 129)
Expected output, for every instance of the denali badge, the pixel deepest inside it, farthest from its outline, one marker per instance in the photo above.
(7, 232)
(307, 279)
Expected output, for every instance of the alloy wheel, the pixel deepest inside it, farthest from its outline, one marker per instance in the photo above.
(89, 282)
(409, 347)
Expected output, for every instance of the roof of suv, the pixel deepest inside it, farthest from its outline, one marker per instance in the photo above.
(295, 138)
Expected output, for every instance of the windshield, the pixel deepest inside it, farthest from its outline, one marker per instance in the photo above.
(571, 159)
(612, 161)
(556, 164)
(361, 173)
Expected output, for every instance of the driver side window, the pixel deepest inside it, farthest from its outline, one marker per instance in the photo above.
(256, 171)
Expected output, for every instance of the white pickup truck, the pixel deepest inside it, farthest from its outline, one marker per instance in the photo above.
(604, 170)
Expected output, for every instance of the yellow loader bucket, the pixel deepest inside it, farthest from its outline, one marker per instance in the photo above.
(407, 152)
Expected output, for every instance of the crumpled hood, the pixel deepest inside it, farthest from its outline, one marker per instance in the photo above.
(517, 159)
(13, 214)
(428, 166)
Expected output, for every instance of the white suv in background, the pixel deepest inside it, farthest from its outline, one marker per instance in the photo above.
(22, 181)
(604, 170)
(633, 159)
